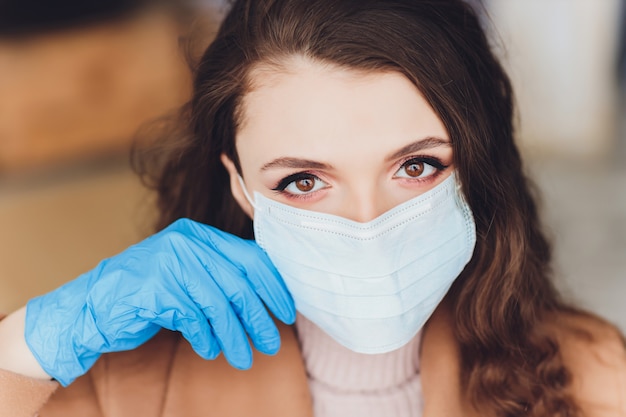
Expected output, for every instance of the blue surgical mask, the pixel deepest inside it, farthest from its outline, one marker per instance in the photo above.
(370, 286)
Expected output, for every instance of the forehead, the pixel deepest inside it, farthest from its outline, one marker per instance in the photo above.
(324, 106)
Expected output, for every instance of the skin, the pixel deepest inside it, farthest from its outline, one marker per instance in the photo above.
(15, 355)
(349, 143)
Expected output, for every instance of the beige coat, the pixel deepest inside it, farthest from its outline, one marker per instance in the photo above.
(165, 378)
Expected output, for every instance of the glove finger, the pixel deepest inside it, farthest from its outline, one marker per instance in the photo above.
(190, 321)
(247, 256)
(215, 306)
(200, 335)
(247, 305)
(265, 280)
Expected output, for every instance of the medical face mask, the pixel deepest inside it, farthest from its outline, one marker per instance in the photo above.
(370, 286)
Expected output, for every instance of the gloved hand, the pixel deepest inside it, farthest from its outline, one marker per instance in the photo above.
(192, 278)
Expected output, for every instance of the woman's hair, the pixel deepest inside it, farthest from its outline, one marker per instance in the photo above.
(511, 365)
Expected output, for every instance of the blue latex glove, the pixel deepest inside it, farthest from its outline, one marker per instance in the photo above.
(192, 278)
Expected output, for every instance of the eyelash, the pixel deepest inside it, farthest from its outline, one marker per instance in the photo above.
(429, 160)
(284, 183)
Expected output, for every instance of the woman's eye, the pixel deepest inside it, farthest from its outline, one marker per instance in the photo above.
(418, 168)
(300, 184)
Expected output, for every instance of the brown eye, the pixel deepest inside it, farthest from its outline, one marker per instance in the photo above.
(419, 168)
(414, 169)
(300, 183)
(305, 184)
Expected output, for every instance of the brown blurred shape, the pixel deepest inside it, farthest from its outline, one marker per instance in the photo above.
(71, 99)
(82, 92)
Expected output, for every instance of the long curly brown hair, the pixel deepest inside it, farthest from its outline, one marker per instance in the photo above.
(511, 365)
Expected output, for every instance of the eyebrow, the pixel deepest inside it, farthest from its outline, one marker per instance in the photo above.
(295, 163)
(299, 163)
(427, 143)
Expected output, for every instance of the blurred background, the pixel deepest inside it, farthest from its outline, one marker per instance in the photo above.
(567, 62)
(78, 78)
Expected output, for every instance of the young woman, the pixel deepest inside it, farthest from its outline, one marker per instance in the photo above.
(368, 147)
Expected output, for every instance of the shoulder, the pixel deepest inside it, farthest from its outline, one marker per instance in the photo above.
(594, 351)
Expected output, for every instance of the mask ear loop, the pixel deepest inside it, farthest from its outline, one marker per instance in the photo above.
(245, 192)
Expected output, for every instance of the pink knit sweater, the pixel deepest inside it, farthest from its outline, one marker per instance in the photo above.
(348, 384)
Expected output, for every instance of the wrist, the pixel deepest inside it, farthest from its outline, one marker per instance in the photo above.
(15, 355)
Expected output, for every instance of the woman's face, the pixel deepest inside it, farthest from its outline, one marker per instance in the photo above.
(338, 141)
